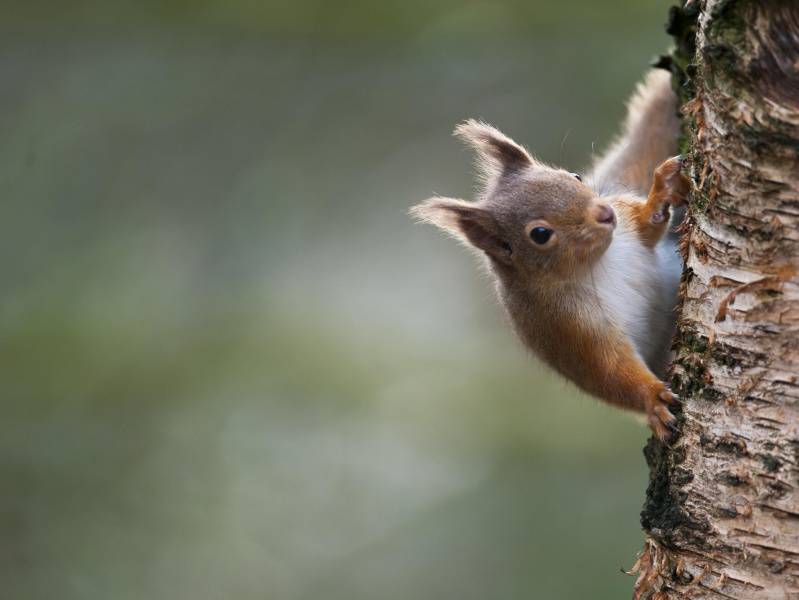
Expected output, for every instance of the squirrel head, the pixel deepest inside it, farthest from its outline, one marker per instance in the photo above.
(533, 221)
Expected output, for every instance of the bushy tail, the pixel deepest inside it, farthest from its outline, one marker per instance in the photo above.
(649, 137)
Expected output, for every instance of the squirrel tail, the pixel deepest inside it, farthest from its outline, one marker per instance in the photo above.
(649, 137)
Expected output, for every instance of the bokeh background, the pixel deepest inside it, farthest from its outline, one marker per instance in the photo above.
(231, 366)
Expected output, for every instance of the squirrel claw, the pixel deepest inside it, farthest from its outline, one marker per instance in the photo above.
(667, 397)
(661, 421)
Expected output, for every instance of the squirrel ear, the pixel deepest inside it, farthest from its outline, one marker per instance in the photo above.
(493, 145)
(467, 223)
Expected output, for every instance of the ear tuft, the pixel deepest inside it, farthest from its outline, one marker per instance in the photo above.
(493, 145)
(466, 222)
(441, 212)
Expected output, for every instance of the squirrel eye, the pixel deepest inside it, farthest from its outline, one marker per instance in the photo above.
(576, 176)
(540, 235)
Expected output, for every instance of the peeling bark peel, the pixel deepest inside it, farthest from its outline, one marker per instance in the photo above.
(722, 508)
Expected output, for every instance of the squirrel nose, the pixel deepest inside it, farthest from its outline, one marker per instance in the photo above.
(604, 214)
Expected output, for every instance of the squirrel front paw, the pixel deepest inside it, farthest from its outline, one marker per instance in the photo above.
(660, 419)
(669, 185)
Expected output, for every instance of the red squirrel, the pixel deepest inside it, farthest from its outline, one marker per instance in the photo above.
(583, 265)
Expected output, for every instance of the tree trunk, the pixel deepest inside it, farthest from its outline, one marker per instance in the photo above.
(722, 509)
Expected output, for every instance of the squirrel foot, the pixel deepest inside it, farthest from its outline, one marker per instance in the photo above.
(669, 188)
(658, 414)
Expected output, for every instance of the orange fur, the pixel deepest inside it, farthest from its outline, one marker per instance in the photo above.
(593, 306)
(598, 357)
(650, 219)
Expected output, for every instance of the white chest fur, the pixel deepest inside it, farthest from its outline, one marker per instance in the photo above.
(637, 291)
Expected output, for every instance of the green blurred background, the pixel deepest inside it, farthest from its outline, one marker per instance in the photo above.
(231, 366)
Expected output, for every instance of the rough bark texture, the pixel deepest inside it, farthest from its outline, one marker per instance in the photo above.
(722, 508)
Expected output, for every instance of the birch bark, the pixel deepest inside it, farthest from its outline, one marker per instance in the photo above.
(722, 510)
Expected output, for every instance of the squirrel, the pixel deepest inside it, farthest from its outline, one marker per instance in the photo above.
(583, 264)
